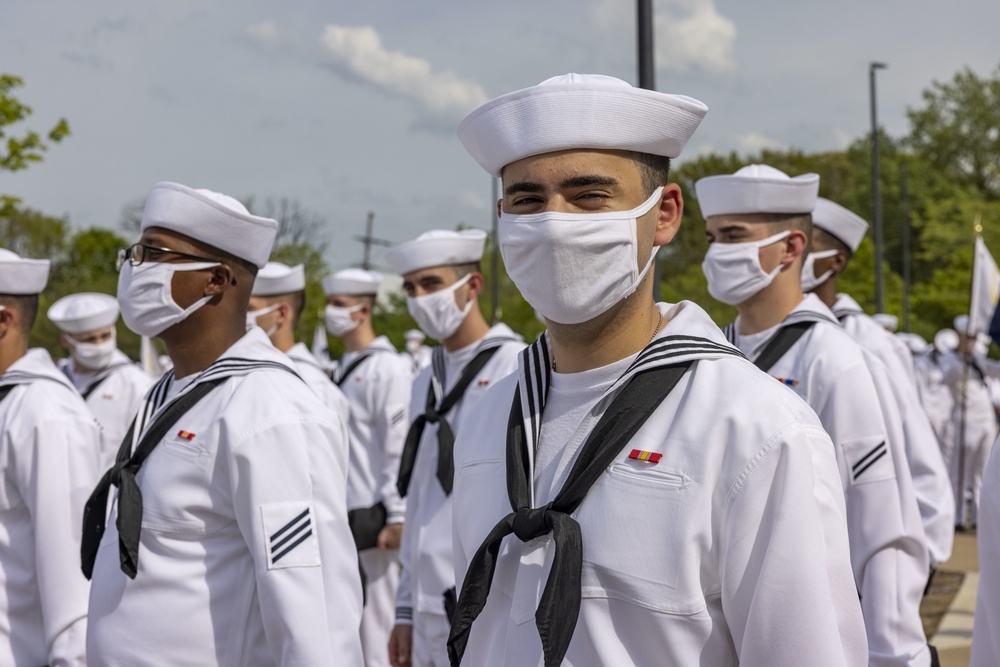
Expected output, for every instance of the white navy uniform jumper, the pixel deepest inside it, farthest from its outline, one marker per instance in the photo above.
(245, 555)
(980, 422)
(113, 394)
(850, 391)
(935, 395)
(319, 381)
(730, 548)
(923, 453)
(378, 391)
(49, 444)
(426, 550)
(986, 634)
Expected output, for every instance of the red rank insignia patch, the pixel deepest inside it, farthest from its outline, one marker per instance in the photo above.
(482, 383)
(186, 435)
(649, 457)
(788, 382)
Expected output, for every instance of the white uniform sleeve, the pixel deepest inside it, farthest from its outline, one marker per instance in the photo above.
(404, 590)
(787, 589)
(391, 424)
(888, 549)
(56, 481)
(986, 634)
(288, 489)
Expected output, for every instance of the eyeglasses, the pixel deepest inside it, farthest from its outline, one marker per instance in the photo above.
(139, 253)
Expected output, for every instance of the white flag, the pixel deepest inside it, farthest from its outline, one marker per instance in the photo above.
(149, 358)
(985, 289)
(319, 344)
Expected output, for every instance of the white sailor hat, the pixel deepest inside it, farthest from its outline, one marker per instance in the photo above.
(757, 188)
(438, 247)
(415, 334)
(277, 278)
(352, 282)
(836, 220)
(84, 312)
(945, 340)
(578, 111)
(20, 276)
(886, 321)
(961, 324)
(915, 342)
(212, 218)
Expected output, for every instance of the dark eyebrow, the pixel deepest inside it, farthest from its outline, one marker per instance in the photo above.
(588, 181)
(731, 228)
(523, 186)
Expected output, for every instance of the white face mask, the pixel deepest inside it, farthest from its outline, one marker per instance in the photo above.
(254, 314)
(809, 279)
(338, 320)
(92, 356)
(733, 269)
(413, 346)
(437, 313)
(147, 306)
(571, 267)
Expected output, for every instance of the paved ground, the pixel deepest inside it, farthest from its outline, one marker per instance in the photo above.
(949, 606)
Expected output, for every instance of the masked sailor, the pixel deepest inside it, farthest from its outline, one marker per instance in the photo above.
(836, 235)
(276, 304)
(110, 383)
(49, 452)
(416, 353)
(759, 226)
(638, 489)
(935, 394)
(887, 321)
(974, 426)
(377, 384)
(441, 276)
(228, 543)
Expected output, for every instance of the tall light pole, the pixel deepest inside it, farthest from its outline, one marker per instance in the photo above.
(876, 193)
(495, 311)
(647, 80)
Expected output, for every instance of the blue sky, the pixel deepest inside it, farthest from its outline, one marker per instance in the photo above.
(348, 107)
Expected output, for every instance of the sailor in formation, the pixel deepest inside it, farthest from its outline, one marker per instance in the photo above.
(836, 235)
(935, 394)
(49, 449)
(377, 383)
(974, 424)
(276, 304)
(228, 542)
(416, 352)
(758, 223)
(986, 631)
(442, 280)
(111, 384)
(637, 493)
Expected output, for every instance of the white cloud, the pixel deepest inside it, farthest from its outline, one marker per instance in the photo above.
(442, 97)
(754, 142)
(272, 36)
(689, 35)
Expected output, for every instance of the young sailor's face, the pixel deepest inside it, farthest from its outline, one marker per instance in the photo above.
(746, 229)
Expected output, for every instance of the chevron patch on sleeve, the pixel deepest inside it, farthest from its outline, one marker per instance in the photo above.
(290, 535)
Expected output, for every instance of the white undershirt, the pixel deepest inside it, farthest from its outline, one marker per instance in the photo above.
(751, 344)
(570, 400)
(455, 362)
(178, 384)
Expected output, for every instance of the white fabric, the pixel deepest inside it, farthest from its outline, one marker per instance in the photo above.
(973, 408)
(986, 632)
(757, 188)
(277, 278)
(263, 448)
(114, 402)
(886, 321)
(414, 334)
(212, 218)
(144, 295)
(438, 313)
(378, 392)
(84, 312)
(730, 551)
(810, 280)
(338, 319)
(733, 270)
(329, 393)
(93, 355)
(352, 282)
(935, 394)
(578, 111)
(426, 551)
(437, 247)
(574, 266)
(915, 342)
(49, 455)
(252, 316)
(848, 227)
(851, 392)
(419, 359)
(923, 452)
(19, 275)
(430, 640)
(985, 289)
(945, 340)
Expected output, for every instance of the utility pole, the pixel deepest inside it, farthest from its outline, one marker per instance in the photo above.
(368, 240)
(906, 247)
(495, 259)
(647, 80)
(876, 194)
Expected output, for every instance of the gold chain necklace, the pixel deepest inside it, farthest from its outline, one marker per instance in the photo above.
(659, 323)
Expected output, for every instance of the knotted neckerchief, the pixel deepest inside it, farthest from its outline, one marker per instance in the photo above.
(637, 394)
(128, 462)
(437, 415)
